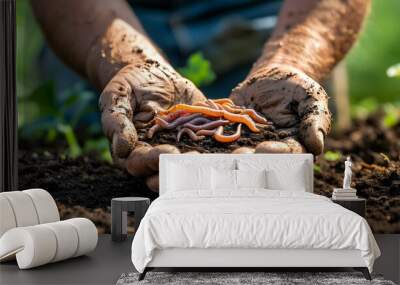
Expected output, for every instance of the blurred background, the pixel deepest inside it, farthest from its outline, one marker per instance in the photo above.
(59, 119)
(55, 104)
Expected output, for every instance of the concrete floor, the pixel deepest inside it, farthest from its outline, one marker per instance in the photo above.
(110, 260)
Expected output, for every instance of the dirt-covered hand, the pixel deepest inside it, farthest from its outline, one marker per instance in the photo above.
(129, 101)
(291, 100)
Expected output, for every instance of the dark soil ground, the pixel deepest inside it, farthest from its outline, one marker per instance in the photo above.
(83, 187)
(376, 170)
(209, 145)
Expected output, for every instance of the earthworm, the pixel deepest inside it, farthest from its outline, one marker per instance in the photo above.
(217, 105)
(212, 104)
(207, 104)
(166, 125)
(237, 118)
(195, 109)
(207, 126)
(168, 118)
(201, 104)
(155, 128)
(173, 116)
(223, 101)
(231, 109)
(253, 114)
(245, 119)
(268, 125)
(206, 132)
(191, 134)
(219, 135)
(200, 120)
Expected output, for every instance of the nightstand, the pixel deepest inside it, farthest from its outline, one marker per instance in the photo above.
(357, 205)
(119, 209)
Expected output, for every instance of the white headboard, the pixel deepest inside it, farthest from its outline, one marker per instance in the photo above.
(212, 159)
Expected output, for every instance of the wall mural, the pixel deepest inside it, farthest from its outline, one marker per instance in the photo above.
(93, 118)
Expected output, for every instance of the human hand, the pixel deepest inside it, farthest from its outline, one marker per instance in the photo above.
(129, 101)
(291, 100)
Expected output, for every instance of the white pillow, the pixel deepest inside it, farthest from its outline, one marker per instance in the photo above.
(223, 179)
(291, 179)
(251, 178)
(182, 177)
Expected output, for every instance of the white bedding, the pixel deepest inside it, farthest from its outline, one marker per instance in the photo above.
(252, 218)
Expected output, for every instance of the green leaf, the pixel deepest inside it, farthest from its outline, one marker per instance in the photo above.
(51, 135)
(332, 155)
(75, 103)
(392, 115)
(29, 44)
(394, 71)
(365, 107)
(198, 70)
(44, 98)
(84, 107)
(100, 146)
(106, 156)
(390, 120)
(74, 148)
(317, 168)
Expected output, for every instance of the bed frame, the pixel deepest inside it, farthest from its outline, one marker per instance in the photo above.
(260, 259)
(246, 259)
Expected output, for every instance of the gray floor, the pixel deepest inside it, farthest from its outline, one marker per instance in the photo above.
(389, 263)
(103, 266)
(110, 260)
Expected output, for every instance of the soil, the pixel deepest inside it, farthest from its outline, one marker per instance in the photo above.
(375, 152)
(83, 187)
(209, 145)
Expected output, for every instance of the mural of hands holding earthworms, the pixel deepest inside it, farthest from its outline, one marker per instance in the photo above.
(150, 109)
(128, 52)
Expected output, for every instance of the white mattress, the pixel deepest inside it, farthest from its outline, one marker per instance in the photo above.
(257, 218)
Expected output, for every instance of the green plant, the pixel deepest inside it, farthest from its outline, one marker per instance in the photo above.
(332, 155)
(74, 148)
(62, 115)
(394, 71)
(198, 70)
(99, 146)
(44, 113)
(392, 115)
(365, 107)
(392, 110)
(29, 44)
(317, 168)
(368, 61)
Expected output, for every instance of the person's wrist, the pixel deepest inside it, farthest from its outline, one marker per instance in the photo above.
(288, 49)
(276, 72)
(99, 69)
(118, 47)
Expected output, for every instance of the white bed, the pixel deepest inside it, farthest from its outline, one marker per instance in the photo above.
(248, 227)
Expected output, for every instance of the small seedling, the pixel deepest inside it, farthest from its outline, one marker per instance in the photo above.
(198, 70)
(332, 155)
(317, 168)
